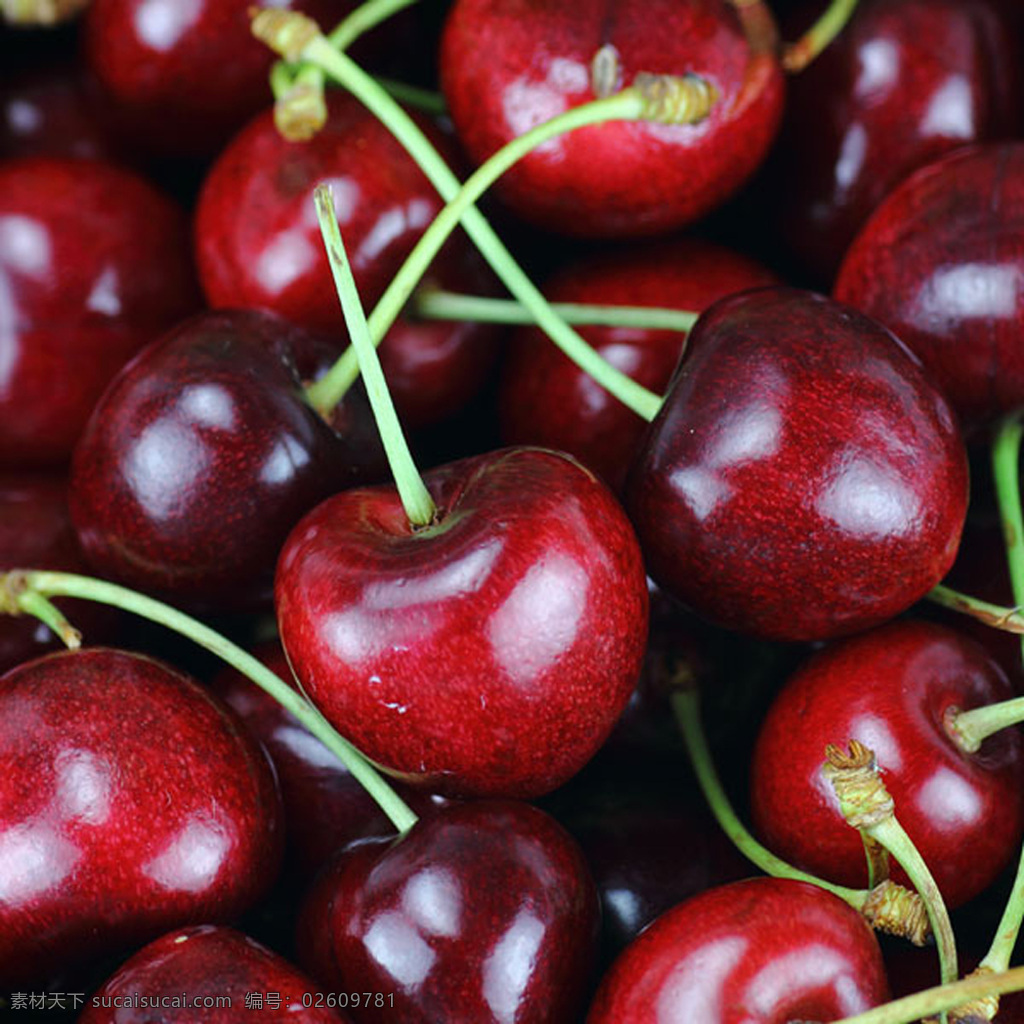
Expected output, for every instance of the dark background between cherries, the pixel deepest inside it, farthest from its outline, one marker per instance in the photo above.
(634, 809)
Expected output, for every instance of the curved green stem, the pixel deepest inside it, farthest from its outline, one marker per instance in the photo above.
(61, 584)
(436, 304)
(626, 105)
(971, 728)
(416, 500)
(426, 100)
(33, 603)
(365, 17)
(1010, 620)
(796, 56)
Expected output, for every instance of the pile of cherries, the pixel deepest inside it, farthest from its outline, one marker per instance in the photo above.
(801, 268)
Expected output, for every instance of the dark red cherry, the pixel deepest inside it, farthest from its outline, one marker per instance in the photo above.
(200, 458)
(892, 689)
(488, 654)
(938, 263)
(226, 976)
(94, 263)
(185, 75)
(131, 801)
(507, 65)
(905, 82)
(547, 400)
(484, 912)
(763, 951)
(803, 478)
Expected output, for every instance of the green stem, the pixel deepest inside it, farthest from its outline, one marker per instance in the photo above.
(369, 93)
(60, 584)
(416, 500)
(40, 12)
(940, 999)
(435, 304)
(365, 17)
(1010, 620)
(425, 100)
(796, 56)
(971, 728)
(33, 603)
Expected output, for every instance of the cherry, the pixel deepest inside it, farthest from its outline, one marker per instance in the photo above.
(905, 82)
(208, 963)
(893, 690)
(131, 802)
(803, 479)
(547, 400)
(484, 912)
(201, 457)
(489, 653)
(507, 66)
(937, 262)
(94, 263)
(761, 951)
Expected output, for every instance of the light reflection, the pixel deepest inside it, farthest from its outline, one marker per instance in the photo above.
(163, 466)
(814, 966)
(286, 258)
(83, 786)
(509, 966)
(967, 291)
(285, 460)
(24, 245)
(161, 23)
(399, 949)
(867, 500)
(852, 152)
(949, 800)
(34, 858)
(192, 859)
(693, 990)
(207, 405)
(879, 67)
(951, 110)
(105, 296)
(432, 899)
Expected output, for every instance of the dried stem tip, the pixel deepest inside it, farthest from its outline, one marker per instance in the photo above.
(12, 585)
(287, 33)
(301, 112)
(669, 99)
(896, 910)
(863, 798)
(977, 1011)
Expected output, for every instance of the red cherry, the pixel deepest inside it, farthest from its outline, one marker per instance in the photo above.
(507, 65)
(763, 951)
(484, 912)
(201, 457)
(547, 400)
(803, 479)
(94, 263)
(904, 82)
(209, 963)
(489, 654)
(938, 264)
(131, 801)
(892, 689)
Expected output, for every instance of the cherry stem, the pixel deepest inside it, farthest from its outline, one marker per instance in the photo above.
(426, 100)
(40, 12)
(25, 583)
(437, 304)
(416, 500)
(969, 729)
(33, 603)
(365, 17)
(1010, 620)
(796, 56)
(940, 999)
(629, 104)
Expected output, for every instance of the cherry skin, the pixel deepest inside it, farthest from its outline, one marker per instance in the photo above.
(905, 82)
(762, 951)
(200, 458)
(131, 801)
(892, 689)
(488, 654)
(547, 400)
(484, 912)
(206, 961)
(803, 478)
(508, 65)
(936, 262)
(94, 263)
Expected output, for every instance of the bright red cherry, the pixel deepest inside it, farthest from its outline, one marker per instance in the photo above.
(938, 263)
(94, 263)
(484, 912)
(803, 478)
(131, 801)
(210, 964)
(763, 951)
(488, 654)
(893, 690)
(547, 400)
(508, 65)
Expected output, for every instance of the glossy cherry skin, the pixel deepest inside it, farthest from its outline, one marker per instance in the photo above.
(547, 400)
(185, 76)
(937, 262)
(200, 458)
(131, 801)
(508, 65)
(904, 83)
(94, 263)
(484, 912)
(803, 478)
(762, 951)
(489, 654)
(36, 533)
(891, 689)
(205, 961)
